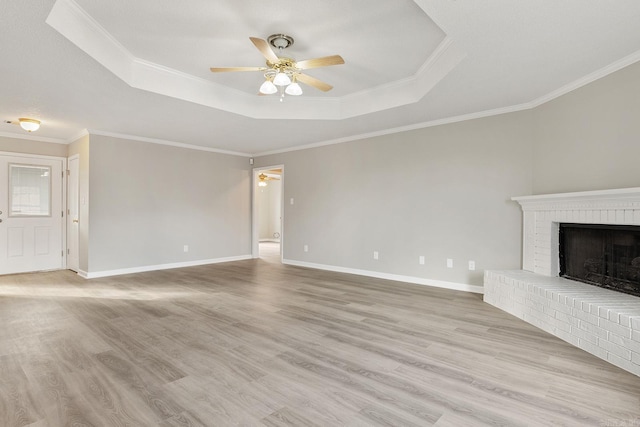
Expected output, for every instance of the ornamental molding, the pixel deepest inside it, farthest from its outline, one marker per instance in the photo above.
(618, 199)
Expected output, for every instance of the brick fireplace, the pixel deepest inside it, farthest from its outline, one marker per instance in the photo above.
(603, 322)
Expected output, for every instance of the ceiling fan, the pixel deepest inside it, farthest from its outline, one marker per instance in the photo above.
(263, 178)
(284, 72)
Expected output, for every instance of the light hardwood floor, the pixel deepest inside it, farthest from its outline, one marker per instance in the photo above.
(258, 343)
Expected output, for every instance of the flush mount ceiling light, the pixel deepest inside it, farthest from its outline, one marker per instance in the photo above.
(30, 125)
(282, 72)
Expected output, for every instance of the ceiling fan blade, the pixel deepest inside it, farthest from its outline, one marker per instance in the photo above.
(325, 61)
(225, 69)
(312, 81)
(264, 49)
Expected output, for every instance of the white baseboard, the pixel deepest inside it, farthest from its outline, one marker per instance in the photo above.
(107, 273)
(388, 276)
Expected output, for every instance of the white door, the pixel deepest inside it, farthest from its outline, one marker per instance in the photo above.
(73, 185)
(31, 213)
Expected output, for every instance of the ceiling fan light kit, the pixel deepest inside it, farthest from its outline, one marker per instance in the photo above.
(282, 72)
(268, 88)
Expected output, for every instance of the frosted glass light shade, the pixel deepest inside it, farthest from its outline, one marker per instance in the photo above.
(281, 79)
(293, 89)
(268, 88)
(30, 125)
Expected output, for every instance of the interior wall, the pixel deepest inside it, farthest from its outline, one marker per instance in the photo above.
(81, 148)
(29, 146)
(149, 200)
(589, 139)
(269, 207)
(440, 192)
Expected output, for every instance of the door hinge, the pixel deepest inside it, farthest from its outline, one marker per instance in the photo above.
(62, 253)
(62, 174)
(62, 214)
(68, 252)
(68, 172)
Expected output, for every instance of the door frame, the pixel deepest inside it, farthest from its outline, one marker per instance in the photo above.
(63, 217)
(68, 218)
(255, 226)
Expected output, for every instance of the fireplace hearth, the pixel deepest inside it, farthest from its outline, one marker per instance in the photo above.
(602, 255)
(598, 319)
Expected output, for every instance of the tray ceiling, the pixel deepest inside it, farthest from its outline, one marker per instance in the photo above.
(141, 69)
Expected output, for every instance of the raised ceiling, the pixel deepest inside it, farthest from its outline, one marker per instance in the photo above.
(141, 69)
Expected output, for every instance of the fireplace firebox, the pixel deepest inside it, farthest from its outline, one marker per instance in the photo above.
(603, 255)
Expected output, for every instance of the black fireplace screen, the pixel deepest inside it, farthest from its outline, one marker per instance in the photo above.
(602, 255)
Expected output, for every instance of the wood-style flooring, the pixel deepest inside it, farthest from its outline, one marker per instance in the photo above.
(256, 343)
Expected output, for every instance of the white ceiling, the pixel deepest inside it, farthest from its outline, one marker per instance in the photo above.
(141, 69)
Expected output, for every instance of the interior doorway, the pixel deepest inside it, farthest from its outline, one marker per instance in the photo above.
(268, 186)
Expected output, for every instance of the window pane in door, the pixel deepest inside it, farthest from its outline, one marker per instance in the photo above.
(29, 190)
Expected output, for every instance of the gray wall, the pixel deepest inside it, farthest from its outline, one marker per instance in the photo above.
(441, 192)
(589, 139)
(148, 200)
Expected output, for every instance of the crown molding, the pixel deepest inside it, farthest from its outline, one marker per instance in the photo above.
(432, 123)
(81, 134)
(31, 137)
(589, 78)
(166, 142)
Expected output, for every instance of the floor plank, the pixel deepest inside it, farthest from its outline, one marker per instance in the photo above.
(258, 343)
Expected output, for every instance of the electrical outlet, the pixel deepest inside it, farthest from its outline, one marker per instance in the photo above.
(375, 254)
(421, 260)
(449, 263)
(185, 248)
(306, 248)
(472, 265)
(291, 201)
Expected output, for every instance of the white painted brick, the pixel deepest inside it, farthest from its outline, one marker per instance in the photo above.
(587, 317)
(629, 312)
(627, 343)
(628, 216)
(615, 349)
(549, 311)
(563, 317)
(562, 325)
(624, 364)
(593, 349)
(593, 329)
(585, 336)
(597, 216)
(550, 304)
(615, 328)
(562, 308)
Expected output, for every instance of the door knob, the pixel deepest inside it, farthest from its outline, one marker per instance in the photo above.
(75, 220)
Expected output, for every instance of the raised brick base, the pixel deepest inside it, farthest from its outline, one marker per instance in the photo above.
(605, 323)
